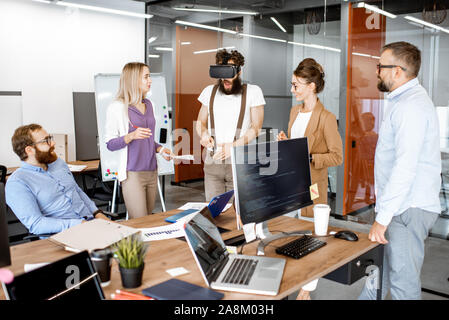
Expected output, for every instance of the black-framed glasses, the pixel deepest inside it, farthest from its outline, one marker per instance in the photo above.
(380, 66)
(48, 139)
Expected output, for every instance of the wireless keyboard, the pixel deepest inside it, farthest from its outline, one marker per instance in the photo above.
(300, 247)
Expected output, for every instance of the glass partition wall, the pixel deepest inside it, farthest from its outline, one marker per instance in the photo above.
(345, 37)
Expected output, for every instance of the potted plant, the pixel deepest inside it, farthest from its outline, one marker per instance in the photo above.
(130, 253)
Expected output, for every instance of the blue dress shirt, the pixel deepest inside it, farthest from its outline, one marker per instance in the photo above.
(407, 163)
(47, 201)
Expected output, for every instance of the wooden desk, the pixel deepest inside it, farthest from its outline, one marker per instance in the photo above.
(92, 165)
(172, 253)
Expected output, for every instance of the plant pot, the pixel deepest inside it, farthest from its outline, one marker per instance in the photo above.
(131, 278)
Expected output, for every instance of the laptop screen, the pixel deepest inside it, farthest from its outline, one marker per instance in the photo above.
(68, 279)
(206, 244)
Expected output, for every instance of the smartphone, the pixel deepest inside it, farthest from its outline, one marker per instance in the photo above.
(163, 135)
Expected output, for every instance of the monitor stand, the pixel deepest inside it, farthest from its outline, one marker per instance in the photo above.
(266, 236)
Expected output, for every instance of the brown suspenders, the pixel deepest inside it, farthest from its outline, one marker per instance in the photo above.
(241, 115)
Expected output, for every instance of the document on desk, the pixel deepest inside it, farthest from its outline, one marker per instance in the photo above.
(171, 231)
(200, 205)
(76, 168)
(92, 235)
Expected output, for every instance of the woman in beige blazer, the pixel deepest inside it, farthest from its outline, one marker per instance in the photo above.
(310, 119)
(320, 125)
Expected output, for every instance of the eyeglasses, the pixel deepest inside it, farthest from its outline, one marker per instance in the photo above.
(380, 66)
(294, 84)
(49, 139)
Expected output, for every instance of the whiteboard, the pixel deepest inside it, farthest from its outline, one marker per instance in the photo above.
(10, 119)
(106, 87)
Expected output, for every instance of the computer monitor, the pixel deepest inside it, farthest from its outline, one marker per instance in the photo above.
(71, 278)
(270, 179)
(5, 257)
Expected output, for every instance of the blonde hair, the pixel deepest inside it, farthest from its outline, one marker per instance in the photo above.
(129, 91)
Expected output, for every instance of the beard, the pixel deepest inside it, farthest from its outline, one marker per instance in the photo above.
(46, 157)
(382, 86)
(235, 89)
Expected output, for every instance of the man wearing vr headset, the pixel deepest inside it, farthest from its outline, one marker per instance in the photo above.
(231, 115)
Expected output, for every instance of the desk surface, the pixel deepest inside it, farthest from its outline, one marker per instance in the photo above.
(172, 253)
(92, 165)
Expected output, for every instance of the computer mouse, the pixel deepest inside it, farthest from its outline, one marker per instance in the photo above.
(346, 235)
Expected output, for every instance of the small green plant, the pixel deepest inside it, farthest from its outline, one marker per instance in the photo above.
(130, 251)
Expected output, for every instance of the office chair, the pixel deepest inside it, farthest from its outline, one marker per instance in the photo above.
(3, 171)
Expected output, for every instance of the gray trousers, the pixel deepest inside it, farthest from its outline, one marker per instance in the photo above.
(403, 256)
(217, 179)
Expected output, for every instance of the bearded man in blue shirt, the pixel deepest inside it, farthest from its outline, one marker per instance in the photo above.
(42, 193)
(407, 169)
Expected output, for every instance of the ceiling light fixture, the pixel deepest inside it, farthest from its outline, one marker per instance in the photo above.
(203, 26)
(152, 39)
(425, 23)
(375, 9)
(252, 13)
(101, 9)
(278, 24)
(153, 56)
(316, 46)
(211, 50)
(163, 49)
(263, 38)
(185, 43)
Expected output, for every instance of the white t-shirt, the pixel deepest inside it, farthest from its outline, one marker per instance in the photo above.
(227, 111)
(300, 125)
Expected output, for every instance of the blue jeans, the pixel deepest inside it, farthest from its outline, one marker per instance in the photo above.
(403, 256)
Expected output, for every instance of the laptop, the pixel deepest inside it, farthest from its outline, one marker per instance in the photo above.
(73, 278)
(230, 272)
(214, 208)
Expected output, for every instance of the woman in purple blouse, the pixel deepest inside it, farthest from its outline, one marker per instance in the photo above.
(129, 131)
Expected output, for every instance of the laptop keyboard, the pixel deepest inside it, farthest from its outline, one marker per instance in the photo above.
(298, 248)
(240, 271)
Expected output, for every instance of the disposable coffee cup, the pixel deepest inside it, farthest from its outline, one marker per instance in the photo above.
(102, 262)
(321, 214)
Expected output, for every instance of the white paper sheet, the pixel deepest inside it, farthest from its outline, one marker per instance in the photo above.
(31, 266)
(188, 157)
(76, 168)
(200, 205)
(171, 231)
(193, 205)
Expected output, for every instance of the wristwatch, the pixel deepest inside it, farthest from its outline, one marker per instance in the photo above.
(310, 158)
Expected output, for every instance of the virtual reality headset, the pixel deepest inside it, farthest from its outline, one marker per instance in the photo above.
(223, 71)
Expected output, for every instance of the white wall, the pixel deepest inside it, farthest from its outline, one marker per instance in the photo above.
(48, 51)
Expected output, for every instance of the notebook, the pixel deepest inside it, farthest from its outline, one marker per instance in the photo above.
(231, 272)
(175, 289)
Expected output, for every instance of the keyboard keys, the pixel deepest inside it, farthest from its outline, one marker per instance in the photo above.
(240, 271)
(300, 247)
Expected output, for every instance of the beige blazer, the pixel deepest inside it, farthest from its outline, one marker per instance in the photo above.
(325, 146)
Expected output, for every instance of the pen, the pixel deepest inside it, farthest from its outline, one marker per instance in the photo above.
(133, 296)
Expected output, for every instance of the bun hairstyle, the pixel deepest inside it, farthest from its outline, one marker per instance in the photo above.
(311, 71)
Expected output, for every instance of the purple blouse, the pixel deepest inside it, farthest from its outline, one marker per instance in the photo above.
(142, 152)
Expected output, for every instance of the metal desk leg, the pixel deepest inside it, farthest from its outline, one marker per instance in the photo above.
(380, 266)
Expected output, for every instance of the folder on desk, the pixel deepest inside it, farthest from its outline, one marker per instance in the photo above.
(92, 235)
(175, 289)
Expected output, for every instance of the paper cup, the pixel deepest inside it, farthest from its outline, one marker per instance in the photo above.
(321, 214)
